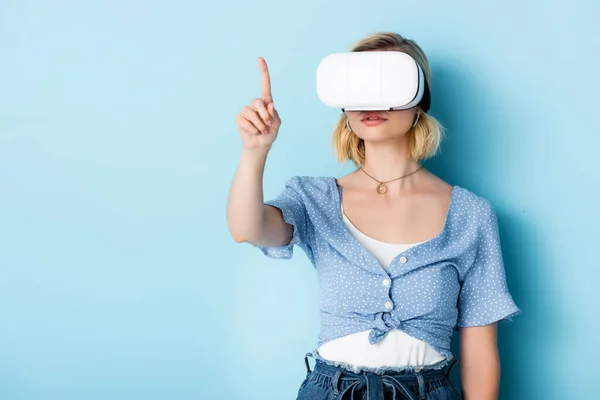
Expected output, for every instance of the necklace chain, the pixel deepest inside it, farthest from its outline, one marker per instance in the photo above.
(382, 187)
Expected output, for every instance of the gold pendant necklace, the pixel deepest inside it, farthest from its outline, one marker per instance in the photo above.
(382, 187)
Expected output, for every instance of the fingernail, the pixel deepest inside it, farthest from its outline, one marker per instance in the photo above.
(269, 122)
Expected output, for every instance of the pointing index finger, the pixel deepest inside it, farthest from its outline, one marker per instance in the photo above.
(265, 81)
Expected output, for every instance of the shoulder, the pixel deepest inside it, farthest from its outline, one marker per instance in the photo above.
(470, 203)
(316, 193)
(472, 224)
(471, 211)
(309, 189)
(307, 185)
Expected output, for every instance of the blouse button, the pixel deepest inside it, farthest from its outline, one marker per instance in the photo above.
(388, 304)
(386, 282)
(403, 260)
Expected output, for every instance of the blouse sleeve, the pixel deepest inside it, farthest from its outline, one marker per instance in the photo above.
(294, 212)
(484, 296)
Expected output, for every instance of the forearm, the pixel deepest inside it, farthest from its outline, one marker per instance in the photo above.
(245, 207)
(480, 376)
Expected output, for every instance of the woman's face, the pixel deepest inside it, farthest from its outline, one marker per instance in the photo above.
(375, 126)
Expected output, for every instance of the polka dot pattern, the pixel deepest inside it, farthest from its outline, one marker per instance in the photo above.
(456, 279)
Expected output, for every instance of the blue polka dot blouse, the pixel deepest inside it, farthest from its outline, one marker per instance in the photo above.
(457, 279)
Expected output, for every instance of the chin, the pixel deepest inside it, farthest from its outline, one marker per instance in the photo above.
(379, 135)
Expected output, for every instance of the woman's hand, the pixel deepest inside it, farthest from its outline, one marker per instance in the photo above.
(258, 123)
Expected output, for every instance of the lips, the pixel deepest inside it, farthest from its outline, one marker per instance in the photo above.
(373, 119)
(372, 116)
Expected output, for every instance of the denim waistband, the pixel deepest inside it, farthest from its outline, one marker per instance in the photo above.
(347, 383)
(445, 364)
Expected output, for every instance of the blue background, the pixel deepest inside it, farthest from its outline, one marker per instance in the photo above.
(118, 277)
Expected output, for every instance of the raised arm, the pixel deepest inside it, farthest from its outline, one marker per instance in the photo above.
(248, 218)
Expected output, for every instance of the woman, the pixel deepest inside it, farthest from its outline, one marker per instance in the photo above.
(402, 257)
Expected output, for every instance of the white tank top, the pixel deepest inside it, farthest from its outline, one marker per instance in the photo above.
(397, 348)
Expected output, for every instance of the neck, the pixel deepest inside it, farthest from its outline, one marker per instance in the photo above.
(385, 162)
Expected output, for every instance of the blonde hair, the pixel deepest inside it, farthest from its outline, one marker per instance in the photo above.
(423, 139)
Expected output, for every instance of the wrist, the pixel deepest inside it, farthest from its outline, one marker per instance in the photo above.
(256, 157)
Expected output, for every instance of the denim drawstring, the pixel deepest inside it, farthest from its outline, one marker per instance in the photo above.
(372, 385)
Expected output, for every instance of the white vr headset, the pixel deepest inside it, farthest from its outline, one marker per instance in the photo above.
(372, 81)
